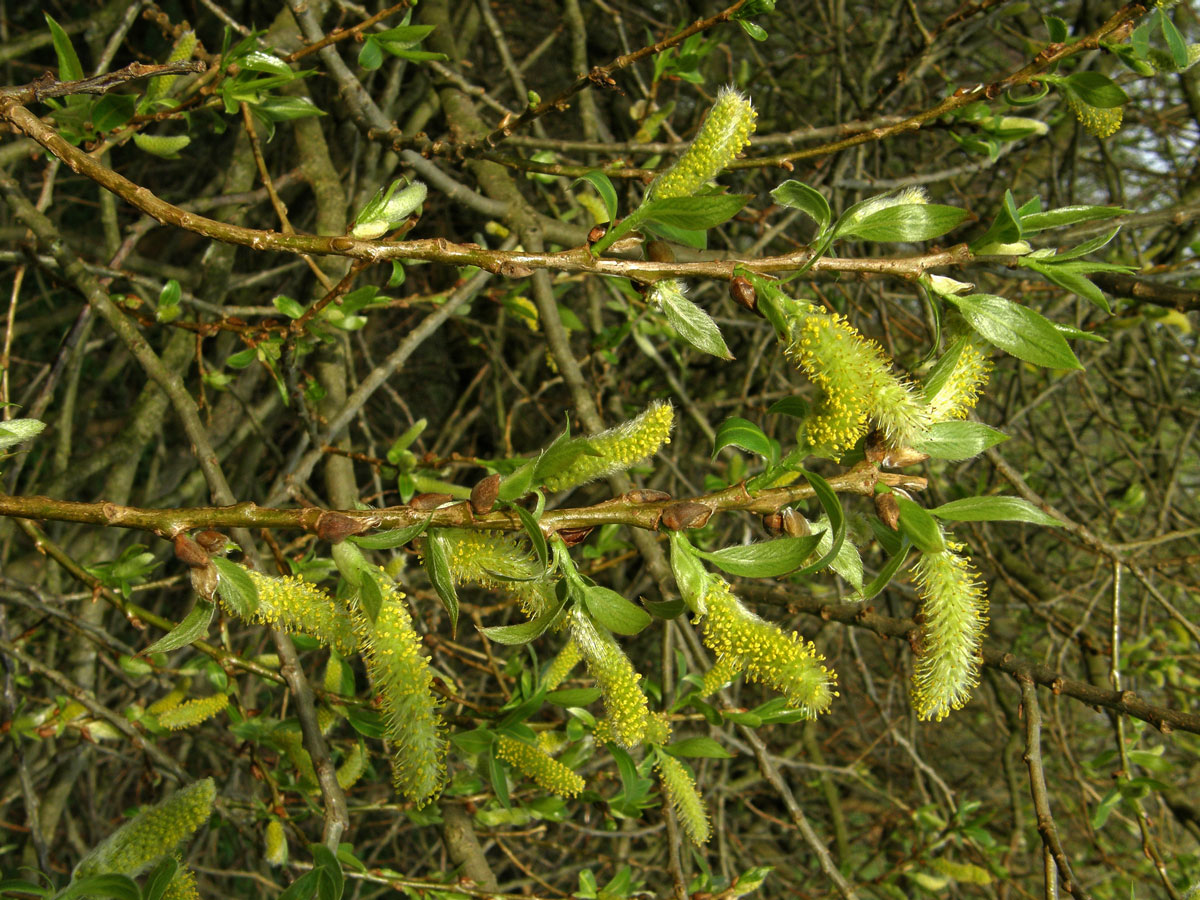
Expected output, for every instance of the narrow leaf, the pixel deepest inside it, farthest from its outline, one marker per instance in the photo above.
(695, 212)
(994, 509)
(919, 527)
(698, 748)
(604, 187)
(613, 611)
(810, 201)
(437, 566)
(236, 588)
(69, 67)
(769, 559)
(737, 432)
(693, 324)
(959, 440)
(1016, 329)
(193, 627)
(390, 539)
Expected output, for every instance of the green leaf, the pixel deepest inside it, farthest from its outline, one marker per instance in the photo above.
(769, 559)
(757, 32)
(690, 576)
(1179, 50)
(370, 596)
(118, 887)
(193, 627)
(888, 572)
(474, 741)
(919, 527)
(693, 324)
(959, 440)
(1056, 28)
(370, 55)
(1065, 276)
(332, 882)
(112, 111)
(789, 406)
(236, 588)
(1088, 246)
(689, 237)
(613, 611)
(285, 109)
(994, 509)
(390, 539)
(258, 61)
(694, 212)
(166, 146)
(159, 878)
(837, 521)
(302, 888)
(1069, 215)
(909, 222)
(69, 67)
(809, 201)
(521, 633)
(518, 483)
(1098, 90)
(529, 522)
(437, 566)
(1018, 330)
(1008, 227)
(697, 748)
(604, 187)
(737, 432)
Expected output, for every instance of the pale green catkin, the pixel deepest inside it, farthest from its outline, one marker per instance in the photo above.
(619, 448)
(725, 133)
(785, 662)
(680, 789)
(182, 885)
(295, 605)
(624, 700)
(153, 833)
(193, 712)
(403, 679)
(481, 557)
(954, 614)
(533, 762)
(275, 844)
(960, 391)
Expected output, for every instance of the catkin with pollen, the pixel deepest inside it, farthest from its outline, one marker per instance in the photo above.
(618, 448)
(725, 133)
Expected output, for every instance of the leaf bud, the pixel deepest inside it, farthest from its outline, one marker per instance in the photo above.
(430, 500)
(204, 581)
(387, 210)
(685, 514)
(191, 553)
(597, 232)
(336, 527)
(212, 541)
(483, 495)
(888, 509)
(743, 294)
(660, 251)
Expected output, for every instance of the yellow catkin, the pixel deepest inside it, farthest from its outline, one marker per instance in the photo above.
(724, 670)
(292, 744)
(153, 833)
(568, 658)
(352, 767)
(658, 728)
(275, 844)
(293, 604)
(856, 381)
(624, 700)
(954, 614)
(619, 447)
(546, 771)
(182, 885)
(403, 679)
(1097, 122)
(785, 662)
(680, 789)
(725, 133)
(193, 712)
(169, 701)
(960, 391)
(478, 557)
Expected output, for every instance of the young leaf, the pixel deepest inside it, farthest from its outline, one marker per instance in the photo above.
(769, 559)
(523, 632)
(694, 212)
(693, 324)
(604, 187)
(810, 201)
(613, 611)
(530, 523)
(837, 521)
(236, 588)
(193, 627)
(1019, 330)
(919, 527)
(1068, 215)
(370, 597)
(1068, 277)
(959, 440)
(437, 566)
(909, 222)
(698, 747)
(888, 572)
(390, 539)
(1098, 90)
(737, 432)
(69, 67)
(994, 509)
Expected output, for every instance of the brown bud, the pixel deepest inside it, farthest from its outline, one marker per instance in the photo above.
(336, 527)
(429, 501)
(573, 536)
(212, 541)
(685, 514)
(743, 293)
(888, 510)
(645, 495)
(773, 522)
(660, 251)
(204, 581)
(900, 457)
(483, 495)
(190, 553)
(597, 232)
(794, 524)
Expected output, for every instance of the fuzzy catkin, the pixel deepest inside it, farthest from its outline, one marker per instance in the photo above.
(960, 391)
(558, 670)
(624, 700)
(680, 789)
(479, 557)
(725, 133)
(152, 834)
(619, 448)
(292, 604)
(182, 885)
(193, 712)
(785, 662)
(533, 762)
(954, 613)
(403, 679)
